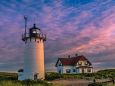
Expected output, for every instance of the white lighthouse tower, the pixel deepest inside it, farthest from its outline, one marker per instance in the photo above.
(34, 54)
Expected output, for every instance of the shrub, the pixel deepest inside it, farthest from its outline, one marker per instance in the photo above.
(52, 76)
(24, 83)
(95, 84)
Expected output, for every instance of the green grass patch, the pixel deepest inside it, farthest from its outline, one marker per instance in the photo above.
(24, 83)
(8, 76)
(101, 84)
(103, 74)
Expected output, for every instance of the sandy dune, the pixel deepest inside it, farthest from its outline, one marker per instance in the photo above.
(74, 82)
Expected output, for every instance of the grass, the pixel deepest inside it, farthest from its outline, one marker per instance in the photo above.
(102, 74)
(10, 79)
(7, 76)
(109, 85)
(101, 84)
(51, 76)
(23, 83)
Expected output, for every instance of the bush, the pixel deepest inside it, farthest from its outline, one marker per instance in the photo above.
(99, 75)
(24, 83)
(8, 76)
(52, 76)
(72, 76)
(95, 84)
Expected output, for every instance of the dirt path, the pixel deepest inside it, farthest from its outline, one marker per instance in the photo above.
(74, 82)
(71, 82)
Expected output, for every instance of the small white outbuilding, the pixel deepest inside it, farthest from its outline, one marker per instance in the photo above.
(20, 74)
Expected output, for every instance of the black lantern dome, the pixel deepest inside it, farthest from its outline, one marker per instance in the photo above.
(34, 31)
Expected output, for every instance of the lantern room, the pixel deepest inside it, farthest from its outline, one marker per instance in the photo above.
(34, 31)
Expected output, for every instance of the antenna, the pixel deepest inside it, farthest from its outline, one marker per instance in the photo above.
(34, 20)
(25, 18)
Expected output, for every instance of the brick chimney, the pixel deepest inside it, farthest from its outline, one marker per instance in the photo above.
(76, 55)
(69, 56)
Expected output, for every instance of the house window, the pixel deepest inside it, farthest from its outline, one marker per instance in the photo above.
(74, 70)
(88, 70)
(68, 70)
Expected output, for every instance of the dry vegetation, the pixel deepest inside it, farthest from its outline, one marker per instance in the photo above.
(10, 79)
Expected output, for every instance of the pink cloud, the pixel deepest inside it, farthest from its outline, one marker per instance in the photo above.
(102, 37)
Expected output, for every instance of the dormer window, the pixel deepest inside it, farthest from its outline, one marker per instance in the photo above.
(86, 63)
(79, 63)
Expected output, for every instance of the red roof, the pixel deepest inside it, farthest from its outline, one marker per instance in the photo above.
(72, 61)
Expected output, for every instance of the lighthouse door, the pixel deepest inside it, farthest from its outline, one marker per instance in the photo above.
(36, 76)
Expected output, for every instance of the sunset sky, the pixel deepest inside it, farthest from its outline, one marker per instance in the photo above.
(86, 27)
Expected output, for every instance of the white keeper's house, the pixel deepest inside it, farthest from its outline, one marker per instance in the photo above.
(74, 65)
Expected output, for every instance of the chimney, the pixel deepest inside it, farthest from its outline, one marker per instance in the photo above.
(76, 54)
(69, 56)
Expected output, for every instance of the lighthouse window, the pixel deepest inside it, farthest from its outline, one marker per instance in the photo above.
(36, 76)
(37, 31)
(34, 31)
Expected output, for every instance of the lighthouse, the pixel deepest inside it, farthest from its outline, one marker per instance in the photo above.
(34, 40)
